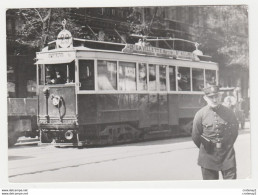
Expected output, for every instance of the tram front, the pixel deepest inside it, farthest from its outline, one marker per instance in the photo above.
(57, 118)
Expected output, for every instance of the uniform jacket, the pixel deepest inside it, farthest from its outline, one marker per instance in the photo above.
(212, 123)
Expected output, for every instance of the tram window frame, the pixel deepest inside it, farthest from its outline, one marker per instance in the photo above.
(112, 86)
(142, 80)
(206, 76)
(41, 74)
(174, 78)
(151, 82)
(179, 77)
(90, 75)
(65, 75)
(123, 87)
(162, 78)
(201, 86)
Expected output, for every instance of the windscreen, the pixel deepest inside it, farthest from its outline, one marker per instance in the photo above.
(56, 73)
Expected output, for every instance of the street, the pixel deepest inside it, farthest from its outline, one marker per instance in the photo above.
(170, 159)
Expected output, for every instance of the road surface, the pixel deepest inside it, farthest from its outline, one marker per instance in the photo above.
(171, 159)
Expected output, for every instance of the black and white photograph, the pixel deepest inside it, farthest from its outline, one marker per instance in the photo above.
(128, 94)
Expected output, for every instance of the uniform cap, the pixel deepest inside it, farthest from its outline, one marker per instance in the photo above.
(211, 90)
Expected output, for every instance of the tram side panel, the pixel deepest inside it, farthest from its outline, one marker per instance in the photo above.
(173, 109)
(114, 118)
(163, 112)
(188, 105)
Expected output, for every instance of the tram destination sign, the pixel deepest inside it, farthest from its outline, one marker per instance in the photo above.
(155, 51)
(55, 57)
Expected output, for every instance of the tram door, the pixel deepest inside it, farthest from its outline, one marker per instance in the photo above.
(86, 75)
(87, 102)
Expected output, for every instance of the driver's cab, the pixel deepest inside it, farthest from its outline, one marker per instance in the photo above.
(56, 74)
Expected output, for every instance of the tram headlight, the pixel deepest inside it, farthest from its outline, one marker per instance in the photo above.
(69, 135)
(55, 100)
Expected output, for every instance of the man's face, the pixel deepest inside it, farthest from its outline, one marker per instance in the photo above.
(214, 99)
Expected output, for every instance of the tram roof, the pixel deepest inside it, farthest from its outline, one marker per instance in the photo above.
(133, 49)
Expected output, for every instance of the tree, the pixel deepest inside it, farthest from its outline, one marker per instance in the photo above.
(225, 38)
(141, 20)
(39, 26)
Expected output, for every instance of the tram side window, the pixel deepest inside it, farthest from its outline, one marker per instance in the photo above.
(60, 73)
(152, 77)
(198, 79)
(86, 74)
(210, 77)
(172, 78)
(127, 76)
(183, 77)
(107, 75)
(41, 74)
(142, 76)
(162, 78)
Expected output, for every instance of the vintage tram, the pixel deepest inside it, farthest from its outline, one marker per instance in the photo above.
(99, 93)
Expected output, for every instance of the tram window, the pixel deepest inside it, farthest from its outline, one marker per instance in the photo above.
(41, 74)
(152, 77)
(60, 73)
(210, 77)
(127, 76)
(172, 78)
(142, 76)
(86, 74)
(107, 75)
(198, 79)
(183, 77)
(162, 78)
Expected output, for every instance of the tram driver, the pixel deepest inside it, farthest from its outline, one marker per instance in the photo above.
(54, 76)
(58, 78)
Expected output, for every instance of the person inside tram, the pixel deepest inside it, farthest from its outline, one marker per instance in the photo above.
(58, 78)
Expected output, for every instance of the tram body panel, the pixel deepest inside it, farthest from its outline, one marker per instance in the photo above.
(173, 109)
(64, 113)
(145, 109)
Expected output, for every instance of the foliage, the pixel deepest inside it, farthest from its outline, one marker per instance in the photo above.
(226, 35)
(39, 26)
(141, 20)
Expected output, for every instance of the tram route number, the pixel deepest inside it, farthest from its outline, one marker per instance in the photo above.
(15, 192)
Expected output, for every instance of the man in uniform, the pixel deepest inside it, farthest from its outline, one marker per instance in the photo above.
(215, 129)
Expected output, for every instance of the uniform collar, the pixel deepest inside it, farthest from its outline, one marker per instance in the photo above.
(216, 108)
